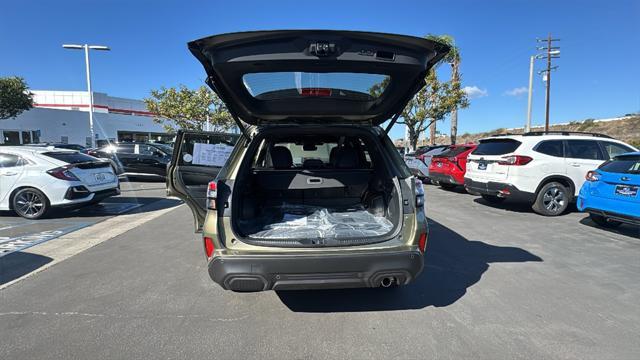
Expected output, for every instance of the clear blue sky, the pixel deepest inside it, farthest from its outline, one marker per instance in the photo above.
(599, 74)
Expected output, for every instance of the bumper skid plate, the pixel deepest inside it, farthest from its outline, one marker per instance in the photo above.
(296, 272)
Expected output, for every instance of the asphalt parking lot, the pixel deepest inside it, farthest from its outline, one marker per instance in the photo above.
(499, 283)
(17, 233)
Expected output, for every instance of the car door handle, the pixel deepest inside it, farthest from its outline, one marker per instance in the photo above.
(575, 164)
(9, 173)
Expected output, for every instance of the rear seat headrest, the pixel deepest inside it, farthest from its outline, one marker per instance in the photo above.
(332, 156)
(281, 157)
(312, 164)
(347, 158)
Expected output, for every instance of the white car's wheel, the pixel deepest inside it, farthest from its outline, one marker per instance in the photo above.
(30, 203)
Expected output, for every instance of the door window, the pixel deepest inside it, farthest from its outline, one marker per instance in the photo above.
(125, 149)
(614, 149)
(206, 150)
(551, 148)
(26, 137)
(9, 160)
(144, 150)
(584, 149)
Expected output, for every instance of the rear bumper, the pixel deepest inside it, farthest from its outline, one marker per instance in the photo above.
(628, 219)
(502, 190)
(80, 195)
(444, 178)
(327, 271)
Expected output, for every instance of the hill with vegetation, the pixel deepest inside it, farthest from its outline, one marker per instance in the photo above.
(625, 128)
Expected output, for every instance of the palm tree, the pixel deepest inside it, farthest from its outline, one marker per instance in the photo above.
(453, 58)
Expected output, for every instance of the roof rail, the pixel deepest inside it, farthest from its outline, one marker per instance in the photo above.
(504, 134)
(560, 132)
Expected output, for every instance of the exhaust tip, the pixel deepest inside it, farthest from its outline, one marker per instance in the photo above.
(387, 281)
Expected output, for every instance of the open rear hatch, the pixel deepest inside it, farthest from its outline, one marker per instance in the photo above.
(311, 76)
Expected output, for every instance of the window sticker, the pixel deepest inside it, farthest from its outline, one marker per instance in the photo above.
(211, 154)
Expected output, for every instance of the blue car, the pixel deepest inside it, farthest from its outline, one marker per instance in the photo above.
(610, 194)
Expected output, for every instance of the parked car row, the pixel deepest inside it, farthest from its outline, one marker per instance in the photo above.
(548, 170)
(136, 159)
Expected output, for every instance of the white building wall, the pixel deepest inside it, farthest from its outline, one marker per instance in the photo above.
(55, 124)
(62, 116)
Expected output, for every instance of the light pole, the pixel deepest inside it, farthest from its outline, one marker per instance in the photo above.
(528, 127)
(86, 48)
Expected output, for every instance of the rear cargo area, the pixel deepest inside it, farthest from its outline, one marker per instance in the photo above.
(316, 190)
(295, 221)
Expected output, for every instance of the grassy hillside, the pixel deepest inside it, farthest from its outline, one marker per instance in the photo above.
(626, 129)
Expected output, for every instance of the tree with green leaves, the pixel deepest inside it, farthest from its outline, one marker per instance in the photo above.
(453, 58)
(14, 97)
(184, 108)
(431, 104)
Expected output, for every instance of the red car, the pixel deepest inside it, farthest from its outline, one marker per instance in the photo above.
(447, 169)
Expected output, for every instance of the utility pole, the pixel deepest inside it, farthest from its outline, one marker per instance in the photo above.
(552, 52)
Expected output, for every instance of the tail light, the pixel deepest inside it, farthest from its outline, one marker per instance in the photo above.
(422, 242)
(208, 246)
(419, 193)
(515, 160)
(63, 173)
(592, 176)
(212, 195)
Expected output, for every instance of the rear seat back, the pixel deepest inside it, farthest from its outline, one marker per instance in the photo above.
(320, 187)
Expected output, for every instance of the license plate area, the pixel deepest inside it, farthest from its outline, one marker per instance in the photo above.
(102, 177)
(626, 190)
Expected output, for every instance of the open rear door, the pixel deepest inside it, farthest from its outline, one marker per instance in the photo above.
(197, 159)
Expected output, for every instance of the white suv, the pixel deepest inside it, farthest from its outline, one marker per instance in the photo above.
(545, 169)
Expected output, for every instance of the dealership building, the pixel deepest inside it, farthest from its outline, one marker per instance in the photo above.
(63, 117)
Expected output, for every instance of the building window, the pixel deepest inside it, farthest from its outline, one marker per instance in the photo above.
(26, 137)
(11, 137)
(35, 136)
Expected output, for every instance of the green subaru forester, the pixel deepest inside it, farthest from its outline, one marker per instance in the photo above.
(312, 194)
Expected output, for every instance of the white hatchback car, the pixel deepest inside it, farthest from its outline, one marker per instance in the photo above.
(545, 169)
(35, 179)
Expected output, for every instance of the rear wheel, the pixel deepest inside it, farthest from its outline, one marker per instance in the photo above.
(493, 199)
(447, 186)
(604, 222)
(30, 203)
(552, 200)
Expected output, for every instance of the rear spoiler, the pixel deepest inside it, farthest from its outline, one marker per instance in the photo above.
(90, 164)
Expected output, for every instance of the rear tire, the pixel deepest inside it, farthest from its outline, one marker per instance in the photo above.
(492, 199)
(448, 186)
(30, 203)
(552, 200)
(602, 221)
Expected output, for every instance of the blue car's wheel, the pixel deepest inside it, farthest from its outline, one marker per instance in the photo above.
(604, 222)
